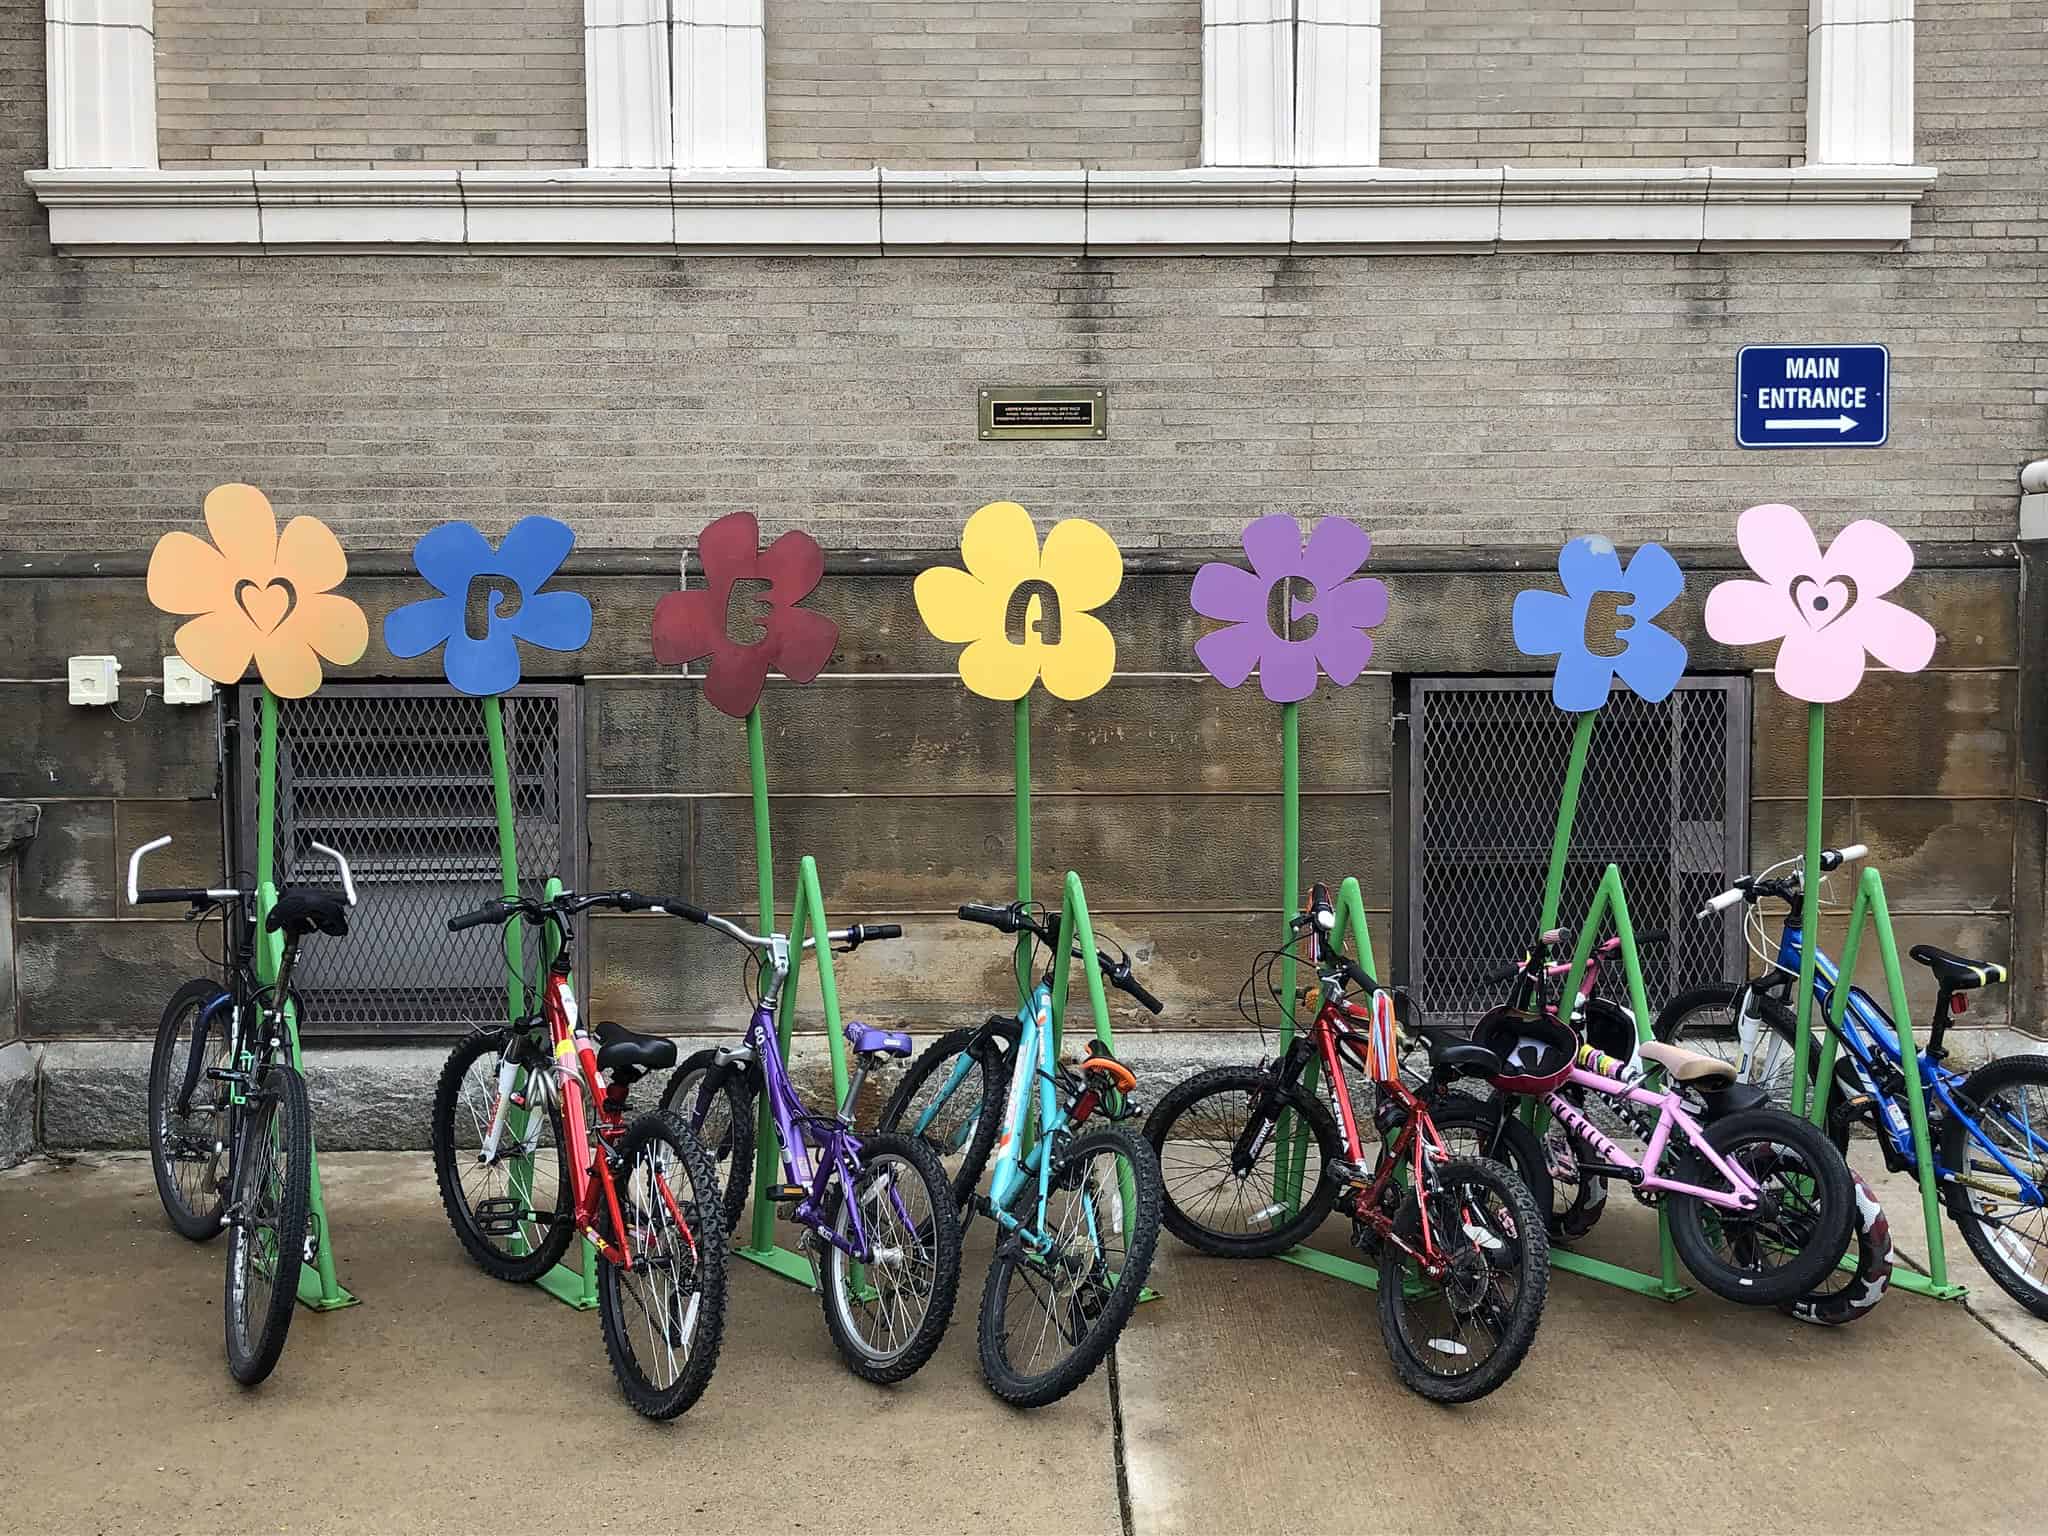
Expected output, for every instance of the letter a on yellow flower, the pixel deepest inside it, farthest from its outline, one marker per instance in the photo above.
(1025, 615)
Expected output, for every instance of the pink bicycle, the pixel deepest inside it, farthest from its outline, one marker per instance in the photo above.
(1762, 1206)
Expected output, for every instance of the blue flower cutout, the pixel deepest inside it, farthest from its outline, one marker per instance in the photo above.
(456, 561)
(1596, 642)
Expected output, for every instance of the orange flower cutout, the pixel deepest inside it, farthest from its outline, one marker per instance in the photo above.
(260, 595)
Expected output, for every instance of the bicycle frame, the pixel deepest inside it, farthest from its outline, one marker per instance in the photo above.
(1743, 1191)
(1868, 1035)
(1031, 1060)
(814, 1148)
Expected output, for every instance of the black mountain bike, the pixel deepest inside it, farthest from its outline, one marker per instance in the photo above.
(230, 1128)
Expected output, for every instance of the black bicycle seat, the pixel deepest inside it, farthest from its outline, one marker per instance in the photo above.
(299, 913)
(1461, 1057)
(1955, 973)
(620, 1049)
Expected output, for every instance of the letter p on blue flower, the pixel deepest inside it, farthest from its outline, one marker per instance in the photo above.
(490, 600)
(1599, 627)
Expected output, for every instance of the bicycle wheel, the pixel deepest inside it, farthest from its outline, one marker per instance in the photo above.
(1242, 1205)
(1493, 1130)
(1457, 1339)
(887, 1316)
(512, 1211)
(188, 1112)
(1848, 1294)
(957, 1114)
(1799, 1232)
(717, 1104)
(2009, 1100)
(267, 1216)
(1704, 1019)
(664, 1318)
(1058, 1294)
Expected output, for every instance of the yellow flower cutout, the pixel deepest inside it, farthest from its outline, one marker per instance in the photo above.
(1024, 614)
(259, 595)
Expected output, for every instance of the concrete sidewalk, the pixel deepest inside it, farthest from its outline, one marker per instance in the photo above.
(1252, 1399)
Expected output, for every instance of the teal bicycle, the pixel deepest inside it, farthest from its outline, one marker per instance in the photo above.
(1076, 1202)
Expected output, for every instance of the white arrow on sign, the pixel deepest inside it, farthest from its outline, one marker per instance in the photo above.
(1821, 424)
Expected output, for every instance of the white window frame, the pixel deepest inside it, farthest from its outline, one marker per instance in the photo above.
(678, 141)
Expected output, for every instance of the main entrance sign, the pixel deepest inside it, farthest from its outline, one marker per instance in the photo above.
(1812, 397)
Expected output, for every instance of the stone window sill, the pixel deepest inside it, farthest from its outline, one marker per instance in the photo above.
(1078, 213)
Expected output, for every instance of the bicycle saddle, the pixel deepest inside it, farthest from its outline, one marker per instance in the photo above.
(867, 1040)
(619, 1048)
(299, 912)
(1688, 1066)
(1460, 1057)
(1954, 972)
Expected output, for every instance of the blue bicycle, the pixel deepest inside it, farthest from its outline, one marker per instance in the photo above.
(1076, 1205)
(1988, 1128)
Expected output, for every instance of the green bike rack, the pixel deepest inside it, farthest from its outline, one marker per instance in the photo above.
(318, 1287)
(1870, 909)
(1609, 901)
(577, 1287)
(808, 915)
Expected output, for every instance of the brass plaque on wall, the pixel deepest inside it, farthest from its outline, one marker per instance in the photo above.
(1038, 411)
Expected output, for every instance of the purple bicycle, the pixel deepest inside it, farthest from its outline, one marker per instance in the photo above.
(879, 1221)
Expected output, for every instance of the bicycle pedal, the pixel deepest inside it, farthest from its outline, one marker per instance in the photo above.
(498, 1217)
(786, 1194)
(1348, 1174)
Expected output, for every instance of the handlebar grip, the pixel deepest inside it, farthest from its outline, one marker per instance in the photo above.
(878, 931)
(478, 918)
(632, 901)
(675, 906)
(168, 893)
(1722, 902)
(1137, 989)
(1834, 858)
(994, 917)
(1654, 936)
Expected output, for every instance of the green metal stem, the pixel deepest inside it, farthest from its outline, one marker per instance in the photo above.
(508, 854)
(318, 1288)
(1567, 814)
(1809, 915)
(766, 1144)
(1020, 744)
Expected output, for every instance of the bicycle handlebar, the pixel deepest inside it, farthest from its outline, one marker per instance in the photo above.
(1756, 887)
(141, 895)
(1014, 919)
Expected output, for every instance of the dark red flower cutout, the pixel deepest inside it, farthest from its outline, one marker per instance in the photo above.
(690, 626)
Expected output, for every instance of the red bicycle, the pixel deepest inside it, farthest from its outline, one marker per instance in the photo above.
(522, 1173)
(1254, 1160)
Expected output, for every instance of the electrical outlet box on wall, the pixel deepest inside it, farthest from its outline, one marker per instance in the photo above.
(184, 684)
(94, 679)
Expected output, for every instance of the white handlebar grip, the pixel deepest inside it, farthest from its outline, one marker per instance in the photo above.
(348, 884)
(1854, 852)
(1722, 902)
(135, 866)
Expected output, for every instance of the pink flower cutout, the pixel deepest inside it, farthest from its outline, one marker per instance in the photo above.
(1828, 610)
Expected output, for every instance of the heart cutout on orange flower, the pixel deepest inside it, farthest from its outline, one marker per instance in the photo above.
(267, 605)
(258, 593)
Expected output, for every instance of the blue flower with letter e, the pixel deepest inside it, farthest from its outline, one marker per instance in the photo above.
(1599, 627)
(491, 599)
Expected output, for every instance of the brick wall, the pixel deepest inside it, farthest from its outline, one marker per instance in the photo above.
(404, 83)
(988, 84)
(1571, 82)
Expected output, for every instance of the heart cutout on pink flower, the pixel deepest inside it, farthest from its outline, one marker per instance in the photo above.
(1827, 610)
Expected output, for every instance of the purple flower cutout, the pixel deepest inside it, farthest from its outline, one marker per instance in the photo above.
(1327, 631)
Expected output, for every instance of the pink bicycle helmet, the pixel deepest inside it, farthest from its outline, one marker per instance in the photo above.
(1536, 1049)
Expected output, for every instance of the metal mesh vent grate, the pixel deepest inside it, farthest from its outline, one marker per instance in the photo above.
(1665, 797)
(399, 779)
